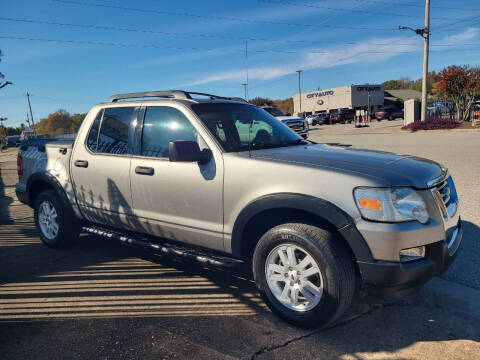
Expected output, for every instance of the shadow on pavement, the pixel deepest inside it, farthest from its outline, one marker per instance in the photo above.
(137, 305)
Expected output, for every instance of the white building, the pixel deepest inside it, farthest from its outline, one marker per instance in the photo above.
(344, 97)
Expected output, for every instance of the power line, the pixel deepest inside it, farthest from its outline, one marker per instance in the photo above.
(168, 33)
(402, 3)
(211, 17)
(369, 12)
(136, 45)
(445, 27)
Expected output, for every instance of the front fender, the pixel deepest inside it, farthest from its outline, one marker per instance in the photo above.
(318, 207)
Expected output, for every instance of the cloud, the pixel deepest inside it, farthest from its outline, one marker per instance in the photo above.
(457, 39)
(368, 51)
(314, 58)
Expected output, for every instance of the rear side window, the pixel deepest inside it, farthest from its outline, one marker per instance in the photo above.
(113, 136)
(163, 124)
(93, 134)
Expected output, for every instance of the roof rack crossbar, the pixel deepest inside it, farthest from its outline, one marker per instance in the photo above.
(175, 94)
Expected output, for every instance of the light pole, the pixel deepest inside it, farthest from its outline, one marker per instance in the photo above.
(299, 92)
(425, 33)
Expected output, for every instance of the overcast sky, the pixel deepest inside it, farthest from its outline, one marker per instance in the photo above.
(73, 54)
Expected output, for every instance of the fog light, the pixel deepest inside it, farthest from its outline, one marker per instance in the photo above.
(412, 254)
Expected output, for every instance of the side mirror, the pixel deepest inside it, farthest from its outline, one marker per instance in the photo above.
(188, 151)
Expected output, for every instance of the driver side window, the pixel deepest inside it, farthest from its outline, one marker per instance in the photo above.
(163, 124)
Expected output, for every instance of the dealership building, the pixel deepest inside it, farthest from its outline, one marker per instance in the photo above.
(344, 97)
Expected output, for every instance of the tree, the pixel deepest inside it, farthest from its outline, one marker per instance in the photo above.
(77, 120)
(285, 106)
(2, 85)
(462, 85)
(14, 131)
(402, 83)
(260, 101)
(60, 122)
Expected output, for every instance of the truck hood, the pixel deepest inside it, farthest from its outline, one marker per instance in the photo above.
(295, 118)
(395, 170)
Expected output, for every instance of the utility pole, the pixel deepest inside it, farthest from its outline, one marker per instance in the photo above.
(425, 33)
(426, 38)
(299, 91)
(31, 114)
(245, 89)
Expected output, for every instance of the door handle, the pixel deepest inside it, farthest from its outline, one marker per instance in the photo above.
(81, 163)
(142, 170)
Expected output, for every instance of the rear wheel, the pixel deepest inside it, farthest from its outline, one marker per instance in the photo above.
(58, 226)
(305, 274)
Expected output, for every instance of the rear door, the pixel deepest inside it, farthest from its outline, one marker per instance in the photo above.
(176, 200)
(101, 168)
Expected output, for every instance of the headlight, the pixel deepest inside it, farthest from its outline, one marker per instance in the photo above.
(391, 205)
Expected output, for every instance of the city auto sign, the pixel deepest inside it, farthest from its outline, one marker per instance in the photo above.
(320, 94)
(368, 88)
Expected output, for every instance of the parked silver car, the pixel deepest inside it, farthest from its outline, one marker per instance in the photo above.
(312, 220)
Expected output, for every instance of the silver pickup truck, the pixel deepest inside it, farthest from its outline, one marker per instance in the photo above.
(223, 181)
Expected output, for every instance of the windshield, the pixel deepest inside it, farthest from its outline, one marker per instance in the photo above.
(240, 127)
(274, 111)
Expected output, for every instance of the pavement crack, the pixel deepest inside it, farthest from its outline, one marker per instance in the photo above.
(266, 349)
(371, 308)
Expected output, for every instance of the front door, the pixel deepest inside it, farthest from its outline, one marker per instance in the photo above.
(176, 200)
(101, 168)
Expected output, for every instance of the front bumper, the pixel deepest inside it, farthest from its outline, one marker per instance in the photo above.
(394, 279)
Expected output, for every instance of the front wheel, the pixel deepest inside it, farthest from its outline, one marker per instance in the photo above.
(305, 273)
(57, 225)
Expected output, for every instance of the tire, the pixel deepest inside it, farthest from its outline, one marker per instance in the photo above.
(390, 118)
(335, 276)
(68, 226)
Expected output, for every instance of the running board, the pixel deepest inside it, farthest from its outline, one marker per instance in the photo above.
(165, 248)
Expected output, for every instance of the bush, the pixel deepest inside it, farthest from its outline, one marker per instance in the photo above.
(432, 124)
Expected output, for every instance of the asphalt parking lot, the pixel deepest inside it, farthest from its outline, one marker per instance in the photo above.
(102, 300)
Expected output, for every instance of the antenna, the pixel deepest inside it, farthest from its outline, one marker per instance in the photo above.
(246, 61)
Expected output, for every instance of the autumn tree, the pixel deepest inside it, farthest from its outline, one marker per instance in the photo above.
(260, 101)
(60, 122)
(285, 106)
(462, 85)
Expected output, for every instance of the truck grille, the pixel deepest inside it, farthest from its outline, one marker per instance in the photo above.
(446, 196)
(297, 126)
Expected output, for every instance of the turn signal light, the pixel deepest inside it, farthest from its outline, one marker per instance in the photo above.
(370, 204)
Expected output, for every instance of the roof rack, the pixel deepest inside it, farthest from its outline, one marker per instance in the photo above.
(170, 94)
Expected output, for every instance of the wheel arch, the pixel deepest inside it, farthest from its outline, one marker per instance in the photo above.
(271, 210)
(40, 182)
